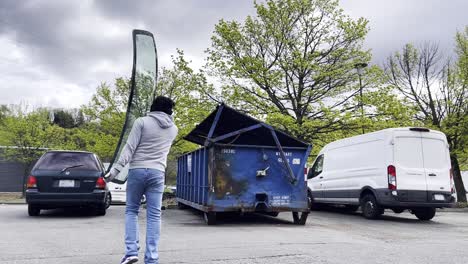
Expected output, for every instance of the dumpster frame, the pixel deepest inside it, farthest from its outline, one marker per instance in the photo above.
(213, 140)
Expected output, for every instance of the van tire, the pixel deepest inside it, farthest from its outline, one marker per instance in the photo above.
(313, 205)
(33, 210)
(424, 214)
(370, 208)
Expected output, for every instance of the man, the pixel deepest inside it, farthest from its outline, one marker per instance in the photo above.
(146, 150)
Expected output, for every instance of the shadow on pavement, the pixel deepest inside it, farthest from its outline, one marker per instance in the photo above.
(238, 219)
(388, 216)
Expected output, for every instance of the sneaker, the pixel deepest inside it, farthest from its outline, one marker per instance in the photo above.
(129, 259)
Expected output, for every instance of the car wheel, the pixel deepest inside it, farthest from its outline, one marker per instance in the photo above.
(101, 210)
(370, 208)
(33, 210)
(108, 200)
(424, 214)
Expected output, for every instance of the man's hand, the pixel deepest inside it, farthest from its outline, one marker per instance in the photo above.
(107, 177)
(111, 175)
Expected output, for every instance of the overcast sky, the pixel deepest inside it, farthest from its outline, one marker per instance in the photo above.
(55, 53)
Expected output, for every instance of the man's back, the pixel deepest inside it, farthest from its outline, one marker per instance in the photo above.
(158, 131)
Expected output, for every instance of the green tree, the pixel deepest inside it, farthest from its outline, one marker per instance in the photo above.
(105, 116)
(194, 98)
(294, 62)
(29, 135)
(436, 90)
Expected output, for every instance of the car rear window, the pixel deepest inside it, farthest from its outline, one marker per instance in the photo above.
(62, 160)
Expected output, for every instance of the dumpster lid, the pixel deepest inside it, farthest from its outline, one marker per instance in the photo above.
(230, 121)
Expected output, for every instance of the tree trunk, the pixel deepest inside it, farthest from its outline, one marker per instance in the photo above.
(461, 191)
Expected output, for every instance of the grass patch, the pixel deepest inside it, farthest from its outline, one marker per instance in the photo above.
(462, 205)
(11, 198)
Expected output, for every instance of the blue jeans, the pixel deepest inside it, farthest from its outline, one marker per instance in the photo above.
(151, 183)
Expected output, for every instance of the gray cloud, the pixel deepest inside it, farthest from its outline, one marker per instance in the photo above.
(54, 51)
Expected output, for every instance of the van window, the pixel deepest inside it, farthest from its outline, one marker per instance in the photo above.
(408, 152)
(435, 153)
(316, 168)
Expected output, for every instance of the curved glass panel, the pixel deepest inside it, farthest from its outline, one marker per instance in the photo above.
(143, 85)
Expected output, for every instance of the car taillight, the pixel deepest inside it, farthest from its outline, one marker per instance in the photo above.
(101, 183)
(32, 182)
(392, 184)
(452, 184)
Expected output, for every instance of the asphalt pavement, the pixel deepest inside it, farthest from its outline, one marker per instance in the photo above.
(329, 237)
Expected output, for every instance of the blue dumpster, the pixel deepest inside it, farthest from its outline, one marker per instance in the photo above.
(244, 165)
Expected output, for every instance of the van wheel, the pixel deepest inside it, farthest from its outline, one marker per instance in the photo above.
(370, 208)
(210, 218)
(33, 210)
(424, 214)
(312, 205)
(300, 220)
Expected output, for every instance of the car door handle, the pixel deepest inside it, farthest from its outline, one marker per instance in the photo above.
(432, 174)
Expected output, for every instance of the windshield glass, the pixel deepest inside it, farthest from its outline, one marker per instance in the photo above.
(62, 160)
(143, 85)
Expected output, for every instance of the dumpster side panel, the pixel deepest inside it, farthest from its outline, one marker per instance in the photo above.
(242, 178)
(256, 179)
(192, 177)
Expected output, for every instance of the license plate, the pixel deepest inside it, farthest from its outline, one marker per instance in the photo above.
(66, 183)
(439, 197)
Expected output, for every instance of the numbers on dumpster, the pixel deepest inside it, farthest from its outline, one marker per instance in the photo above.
(280, 200)
(228, 151)
(286, 154)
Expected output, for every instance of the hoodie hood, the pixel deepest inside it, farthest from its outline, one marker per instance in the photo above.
(164, 120)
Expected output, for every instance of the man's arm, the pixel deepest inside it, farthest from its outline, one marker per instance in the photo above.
(127, 152)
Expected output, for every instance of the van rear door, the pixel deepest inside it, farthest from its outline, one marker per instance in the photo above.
(409, 163)
(436, 162)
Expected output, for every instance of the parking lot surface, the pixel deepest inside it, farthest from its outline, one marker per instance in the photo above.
(69, 237)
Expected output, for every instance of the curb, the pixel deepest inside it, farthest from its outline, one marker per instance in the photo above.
(13, 202)
(453, 210)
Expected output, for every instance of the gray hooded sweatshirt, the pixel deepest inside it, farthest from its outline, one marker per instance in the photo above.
(148, 143)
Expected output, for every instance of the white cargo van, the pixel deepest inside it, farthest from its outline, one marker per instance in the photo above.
(397, 168)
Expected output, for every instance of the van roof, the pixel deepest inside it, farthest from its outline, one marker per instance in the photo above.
(376, 135)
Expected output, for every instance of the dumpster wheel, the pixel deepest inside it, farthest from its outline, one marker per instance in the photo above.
(300, 220)
(210, 218)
